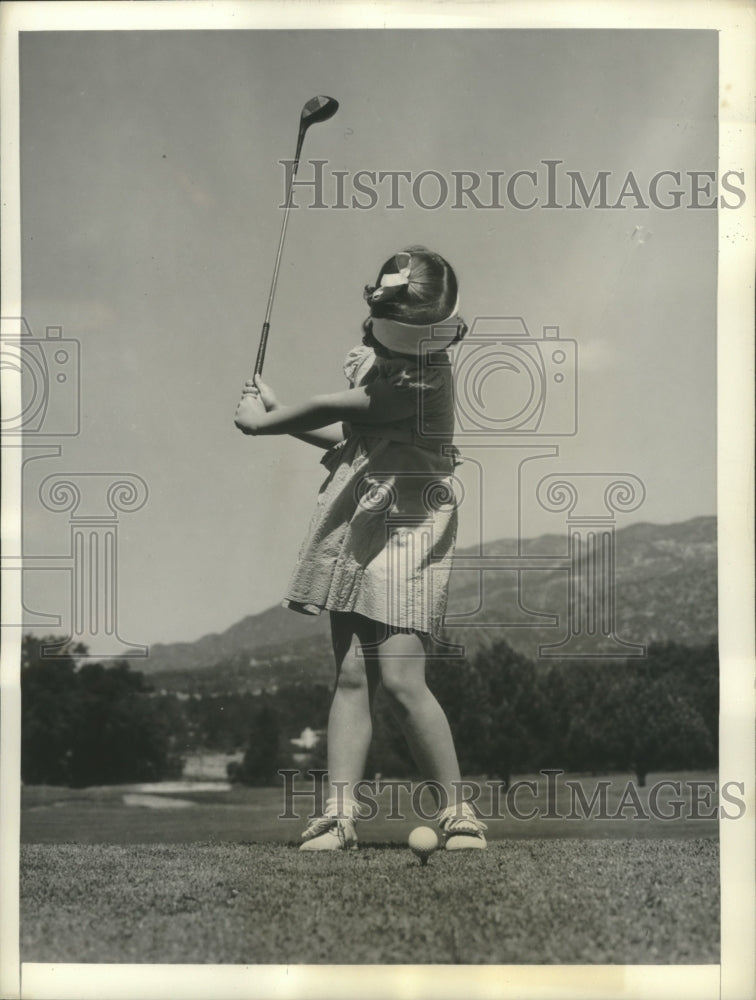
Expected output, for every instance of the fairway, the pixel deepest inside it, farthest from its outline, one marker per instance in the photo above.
(543, 901)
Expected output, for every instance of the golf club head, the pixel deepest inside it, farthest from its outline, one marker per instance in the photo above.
(317, 109)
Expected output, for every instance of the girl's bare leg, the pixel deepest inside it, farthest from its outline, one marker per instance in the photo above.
(401, 664)
(350, 723)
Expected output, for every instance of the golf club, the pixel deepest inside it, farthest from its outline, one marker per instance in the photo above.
(317, 109)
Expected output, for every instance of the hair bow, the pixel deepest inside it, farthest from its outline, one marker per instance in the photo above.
(401, 277)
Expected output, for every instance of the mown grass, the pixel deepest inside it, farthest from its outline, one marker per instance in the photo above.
(221, 881)
(538, 901)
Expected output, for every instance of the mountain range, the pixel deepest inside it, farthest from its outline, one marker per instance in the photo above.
(665, 588)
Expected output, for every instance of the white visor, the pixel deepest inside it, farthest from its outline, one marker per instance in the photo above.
(407, 338)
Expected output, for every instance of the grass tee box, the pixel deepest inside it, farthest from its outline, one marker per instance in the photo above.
(525, 902)
(217, 878)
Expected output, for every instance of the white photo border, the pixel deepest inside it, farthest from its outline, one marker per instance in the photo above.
(734, 978)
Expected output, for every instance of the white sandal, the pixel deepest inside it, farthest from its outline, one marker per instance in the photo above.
(334, 830)
(461, 828)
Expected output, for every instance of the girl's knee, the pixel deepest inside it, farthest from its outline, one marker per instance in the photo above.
(403, 682)
(352, 674)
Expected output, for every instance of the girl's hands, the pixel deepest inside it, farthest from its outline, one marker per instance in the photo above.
(256, 387)
(257, 399)
(250, 412)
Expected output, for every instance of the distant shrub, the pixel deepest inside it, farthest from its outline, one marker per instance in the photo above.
(92, 724)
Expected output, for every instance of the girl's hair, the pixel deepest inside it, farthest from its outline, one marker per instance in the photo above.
(428, 297)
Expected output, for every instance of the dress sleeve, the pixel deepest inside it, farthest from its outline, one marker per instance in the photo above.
(353, 360)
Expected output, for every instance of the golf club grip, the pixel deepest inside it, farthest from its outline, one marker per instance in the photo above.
(261, 349)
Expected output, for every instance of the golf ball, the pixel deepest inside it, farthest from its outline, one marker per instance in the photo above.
(423, 841)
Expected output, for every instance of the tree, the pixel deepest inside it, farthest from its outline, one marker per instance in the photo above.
(576, 696)
(514, 713)
(651, 713)
(264, 754)
(221, 721)
(388, 753)
(693, 672)
(644, 722)
(91, 724)
(121, 735)
(463, 695)
(49, 707)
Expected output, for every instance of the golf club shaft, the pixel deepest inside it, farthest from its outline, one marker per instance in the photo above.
(318, 109)
(266, 323)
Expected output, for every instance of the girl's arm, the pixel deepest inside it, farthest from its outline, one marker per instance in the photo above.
(325, 438)
(377, 403)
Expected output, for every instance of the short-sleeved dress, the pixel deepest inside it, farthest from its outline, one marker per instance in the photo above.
(381, 539)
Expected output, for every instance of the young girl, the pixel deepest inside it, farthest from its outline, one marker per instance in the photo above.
(378, 552)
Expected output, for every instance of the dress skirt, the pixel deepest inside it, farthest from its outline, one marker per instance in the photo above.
(381, 539)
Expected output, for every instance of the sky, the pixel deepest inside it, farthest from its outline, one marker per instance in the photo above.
(150, 201)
